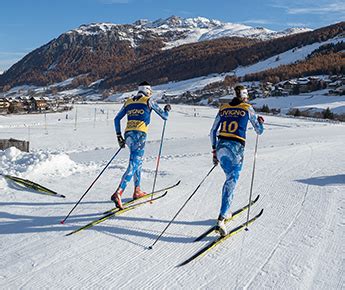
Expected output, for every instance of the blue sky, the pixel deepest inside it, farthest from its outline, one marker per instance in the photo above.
(29, 24)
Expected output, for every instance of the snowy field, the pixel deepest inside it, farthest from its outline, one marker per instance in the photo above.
(298, 243)
(316, 101)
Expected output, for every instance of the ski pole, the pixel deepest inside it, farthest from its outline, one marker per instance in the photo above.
(158, 159)
(202, 181)
(252, 182)
(117, 152)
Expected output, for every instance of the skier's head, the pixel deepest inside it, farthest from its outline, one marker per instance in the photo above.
(241, 93)
(145, 89)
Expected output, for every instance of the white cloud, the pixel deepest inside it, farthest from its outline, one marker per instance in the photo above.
(316, 7)
(297, 24)
(321, 9)
(257, 21)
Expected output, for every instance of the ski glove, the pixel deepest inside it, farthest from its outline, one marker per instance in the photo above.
(215, 159)
(261, 120)
(167, 108)
(121, 141)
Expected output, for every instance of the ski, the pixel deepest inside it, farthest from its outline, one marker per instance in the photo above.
(219, 240)
(33, 185)
(234, 215)
(115, 209)
(119, 212)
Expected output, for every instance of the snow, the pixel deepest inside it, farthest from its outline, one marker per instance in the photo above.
(296, 244)
(317, 100)
(94, 28)
(179, 87)
(195, 29)
(13, 161)
(194, 84)
(288, 57)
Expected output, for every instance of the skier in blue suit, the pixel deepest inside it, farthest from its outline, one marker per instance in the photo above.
(138, 110)
(232, 120)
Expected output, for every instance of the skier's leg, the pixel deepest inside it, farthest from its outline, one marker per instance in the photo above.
(127, 176)
(141, 139)
(138, 165)
(116, 197)
(232, 176)
(230, 154)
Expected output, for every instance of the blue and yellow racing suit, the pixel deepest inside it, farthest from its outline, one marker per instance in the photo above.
(138, 110)
(232, 120)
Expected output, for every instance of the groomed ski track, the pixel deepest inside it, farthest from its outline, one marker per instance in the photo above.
(296, 244)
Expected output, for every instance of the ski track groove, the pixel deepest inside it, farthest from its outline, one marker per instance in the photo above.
(278, 172)
(281, 172)
(286, 231)
(92, 259)
(40, 267)
(218, 251)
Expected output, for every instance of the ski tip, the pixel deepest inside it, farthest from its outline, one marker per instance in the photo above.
(62, 222)
(61, 195)
(150, 247)
(182, 264)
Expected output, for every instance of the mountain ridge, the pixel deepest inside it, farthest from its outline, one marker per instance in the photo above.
(115, 51)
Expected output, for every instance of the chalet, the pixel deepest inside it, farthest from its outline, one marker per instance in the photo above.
(289, 85)
(335, 84)
(39, 104)
(255, 93)
(27, 104)
(278, 92)
(340, 90)
(342, 80)
(4, 104)
(16, 106)
(303, 85)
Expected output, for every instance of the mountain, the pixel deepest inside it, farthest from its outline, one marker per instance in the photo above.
(214, 56)
(101, 50)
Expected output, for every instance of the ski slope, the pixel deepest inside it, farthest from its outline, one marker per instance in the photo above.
(298, 243)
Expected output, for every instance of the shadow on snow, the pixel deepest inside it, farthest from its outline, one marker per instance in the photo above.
(324, 180)
(19, 224)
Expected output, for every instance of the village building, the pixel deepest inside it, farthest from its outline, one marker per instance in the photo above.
(39, 103)
(4, 105)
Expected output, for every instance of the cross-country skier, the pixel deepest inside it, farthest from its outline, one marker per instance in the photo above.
(138, 110)
(232, 119)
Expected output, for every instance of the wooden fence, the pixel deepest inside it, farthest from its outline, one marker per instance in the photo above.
(21, 145)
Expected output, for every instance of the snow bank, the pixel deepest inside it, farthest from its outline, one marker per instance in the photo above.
(40, 163)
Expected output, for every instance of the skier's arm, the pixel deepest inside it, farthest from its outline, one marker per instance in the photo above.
(213, 133)
(253, 117)
(153, 105)
(117, 120)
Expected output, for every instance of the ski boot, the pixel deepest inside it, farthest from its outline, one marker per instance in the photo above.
(116, 198)
(221, 226)
(138, 193)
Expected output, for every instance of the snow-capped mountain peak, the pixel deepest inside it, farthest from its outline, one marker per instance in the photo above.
(176, 30)
(174, 22)
(94, 28)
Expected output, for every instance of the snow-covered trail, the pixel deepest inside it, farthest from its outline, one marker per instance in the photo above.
(297, 243)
